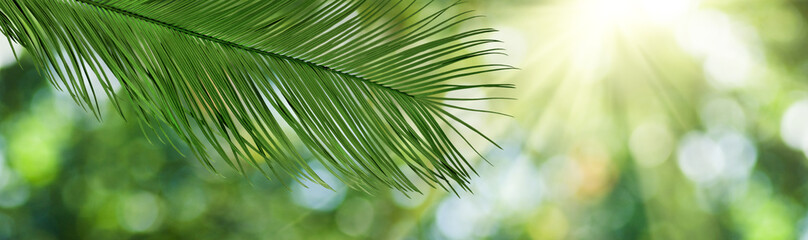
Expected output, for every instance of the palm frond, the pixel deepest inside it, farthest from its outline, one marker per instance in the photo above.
(358, 82)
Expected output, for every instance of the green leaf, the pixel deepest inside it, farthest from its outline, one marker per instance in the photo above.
(357, 82)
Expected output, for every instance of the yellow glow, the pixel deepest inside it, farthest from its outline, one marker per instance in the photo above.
(612, 13)
(602, 58)
(591, 33)
(668, 11)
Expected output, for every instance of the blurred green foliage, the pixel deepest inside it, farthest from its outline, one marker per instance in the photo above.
(633, 121)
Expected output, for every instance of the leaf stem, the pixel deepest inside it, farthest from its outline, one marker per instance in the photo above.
(234, 45)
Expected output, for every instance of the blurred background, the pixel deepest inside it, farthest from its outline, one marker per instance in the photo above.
(635, 119)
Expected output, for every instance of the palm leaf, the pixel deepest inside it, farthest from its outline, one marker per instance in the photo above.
(358, 82)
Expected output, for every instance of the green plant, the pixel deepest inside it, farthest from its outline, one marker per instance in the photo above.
(360, 83)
